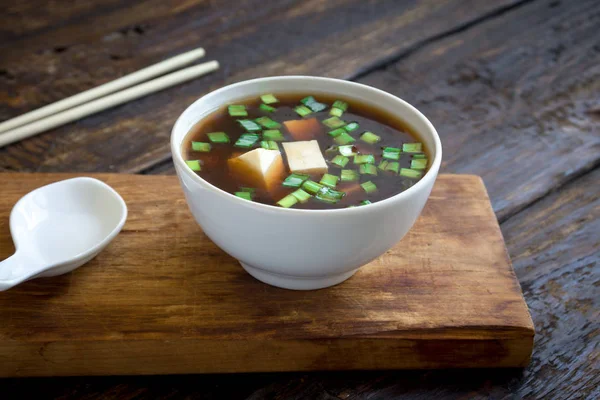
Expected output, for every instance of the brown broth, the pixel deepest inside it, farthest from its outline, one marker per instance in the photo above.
(393, 132)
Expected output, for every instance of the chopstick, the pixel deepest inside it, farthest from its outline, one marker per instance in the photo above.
(107, 102)
(126, 81)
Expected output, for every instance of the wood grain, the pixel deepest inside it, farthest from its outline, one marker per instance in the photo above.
(446, 296)
(512, 96)
(331, 38)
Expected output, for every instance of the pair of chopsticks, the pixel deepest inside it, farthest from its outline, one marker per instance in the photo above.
(105, 96)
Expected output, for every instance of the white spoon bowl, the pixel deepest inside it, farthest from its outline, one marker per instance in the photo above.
(59, 227)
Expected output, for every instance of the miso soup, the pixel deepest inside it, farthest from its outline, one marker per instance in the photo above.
(306, 151)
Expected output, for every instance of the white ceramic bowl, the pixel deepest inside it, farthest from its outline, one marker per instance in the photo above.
(293, 248)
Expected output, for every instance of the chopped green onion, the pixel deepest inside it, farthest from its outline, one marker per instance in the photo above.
(247, 140)
(302, 111)
(313, 104)
(311, 187)
(329, 195)
(267, 108)
(410, 173)
(383, 164)
(349, 175)
(301, 196)
(344, 138)
(218, 137)
(247, 189)
(340, 161)
(249, 125)
(370, 137)
(369, 187)
(268, 123)
(332, 149)
(342, 105)
(273, 134)
(392, 153)
(329, 180)
(393, 166)
(295, 180)
(367, 169)
(364, 159)
(347, 150)
(287, 201)
(352, 126)
(365, 203)
(269, 145)
(418, 163)
(419, 156)
(201, 146)
(237, 110)
(244, 195)
(194, 165)
(412, 147)
(336, 132)
(336, 112)
(334, 122)
(269, 99)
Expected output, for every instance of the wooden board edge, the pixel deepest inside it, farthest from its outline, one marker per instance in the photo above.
(152, 357)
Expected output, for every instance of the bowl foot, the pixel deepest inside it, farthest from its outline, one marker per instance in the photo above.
(296, 282)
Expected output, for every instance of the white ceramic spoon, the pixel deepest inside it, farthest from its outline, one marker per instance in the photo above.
(59, 227)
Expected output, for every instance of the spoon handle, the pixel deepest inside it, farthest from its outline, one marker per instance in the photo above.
(16, 269)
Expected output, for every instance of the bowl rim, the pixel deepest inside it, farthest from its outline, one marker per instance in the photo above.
(431, 173)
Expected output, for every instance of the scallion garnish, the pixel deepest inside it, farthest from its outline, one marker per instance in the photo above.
(349, 175)
(249, 125)
(247, 140)
(269, 145)
(391, 153)
(352, 126)
(369, 187)
(313, 104)
(237, 110)
(218, 137)
(201, 146)
(348, 150)
(342, 105)
(393, 166)
(334, 122)
(370, 137)
(268, 99)
(383, 164)
(194, 165)
(311, 187)
(410, 173)
(295, 180)
(344, 138)
(268, 123)
(301, 196)
(419, 156)
(273, 134)
(244, 195)
(336, 112)
(340, 161)
(302, 111)
(364, 159)
(329, 180)
(418, 163)
(412, 147)
(332, 149)
(267, 108)
(336, 132)
(367, 169)
(287, 201)
(365, 203)
(329, 195)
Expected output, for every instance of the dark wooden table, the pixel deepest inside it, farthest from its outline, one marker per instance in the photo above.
(513, 88)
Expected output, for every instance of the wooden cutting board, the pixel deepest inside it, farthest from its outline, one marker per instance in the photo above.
(163, 299)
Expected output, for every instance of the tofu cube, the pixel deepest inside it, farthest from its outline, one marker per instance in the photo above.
(260, 168)
(303, 129)
(305, 157)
